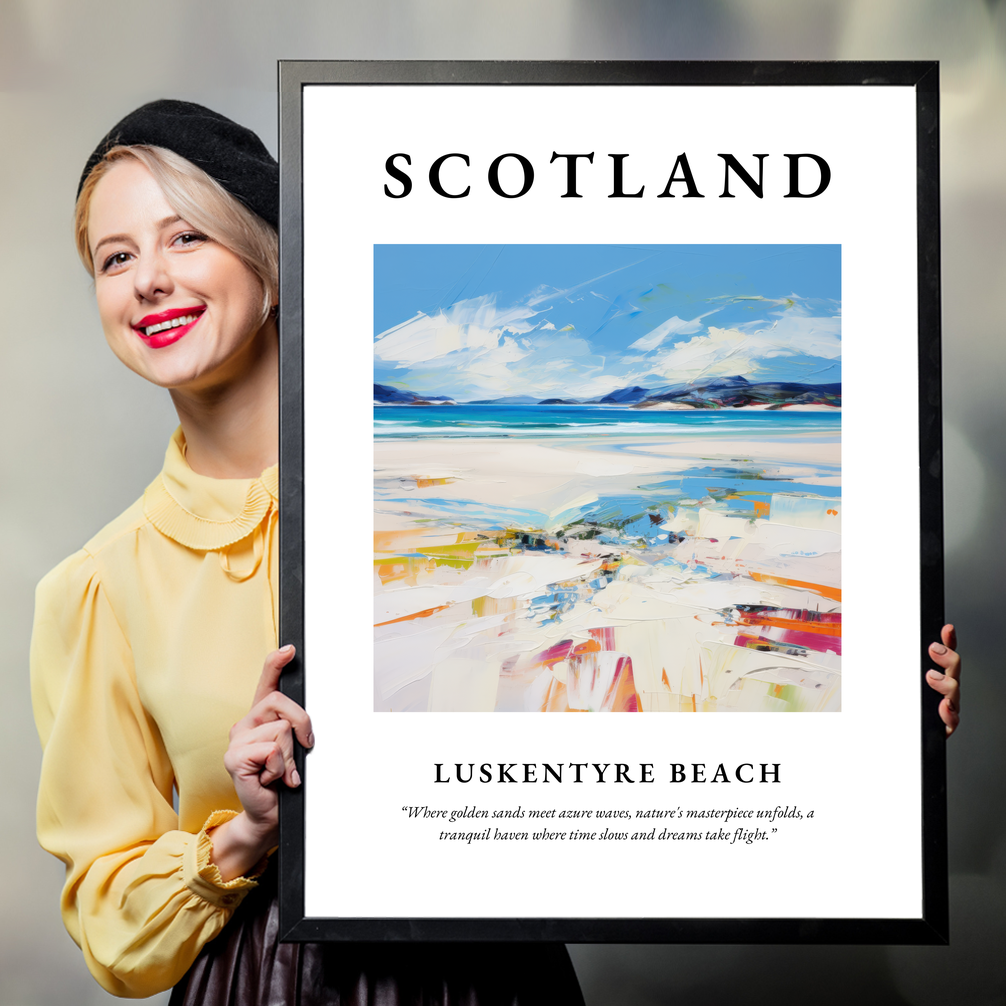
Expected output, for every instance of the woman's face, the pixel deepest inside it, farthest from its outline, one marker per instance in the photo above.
(177, 308)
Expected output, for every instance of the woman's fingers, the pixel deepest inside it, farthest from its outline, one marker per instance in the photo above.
(949, 636)
(270, 703)
(947, 681)
(949, 711)
(271, 671)
(277, 706)
(278, 735)
(944, 684)
(950, 716)
(949, 660)
(274, 766)
(261, 749)
(949, 688)
(263, 760)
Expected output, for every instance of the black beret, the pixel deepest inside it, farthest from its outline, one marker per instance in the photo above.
(231, 154)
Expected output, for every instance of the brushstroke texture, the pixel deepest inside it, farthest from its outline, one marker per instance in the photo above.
(661, 534)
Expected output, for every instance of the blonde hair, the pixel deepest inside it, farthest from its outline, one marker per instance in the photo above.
(199, 200)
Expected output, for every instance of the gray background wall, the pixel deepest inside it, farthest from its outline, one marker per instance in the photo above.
(82, 436)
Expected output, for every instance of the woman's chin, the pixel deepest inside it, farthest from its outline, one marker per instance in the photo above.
(173, 374)
(193, 364)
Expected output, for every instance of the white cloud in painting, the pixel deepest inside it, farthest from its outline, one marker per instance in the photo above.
(720, 351)
(473, 326)
(475, 350)
(798, 332)
(673, 326)
(739, 350)
(491, 370)
(556, 364)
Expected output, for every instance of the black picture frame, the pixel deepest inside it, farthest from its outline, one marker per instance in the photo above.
(932, 926)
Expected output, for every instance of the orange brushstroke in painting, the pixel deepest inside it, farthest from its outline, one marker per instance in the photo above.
(418, 540)
(556, 700)
(824, 628)
(620, 696)
(426, 483)
(425, 613)
(605, 637)
(835, 593)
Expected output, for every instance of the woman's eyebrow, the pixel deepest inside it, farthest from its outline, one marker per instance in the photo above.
(160, 225)
(109, 240)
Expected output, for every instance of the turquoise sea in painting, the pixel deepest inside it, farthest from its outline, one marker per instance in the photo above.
(631, 512)
(565, 420)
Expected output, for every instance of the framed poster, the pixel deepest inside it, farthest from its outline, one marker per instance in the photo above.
(655, 430)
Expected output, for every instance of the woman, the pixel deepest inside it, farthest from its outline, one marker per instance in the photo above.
(148, 643)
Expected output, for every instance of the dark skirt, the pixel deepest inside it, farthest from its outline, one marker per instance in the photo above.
(246, 965)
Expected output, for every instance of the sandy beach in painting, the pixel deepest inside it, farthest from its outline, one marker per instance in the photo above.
(683, 567)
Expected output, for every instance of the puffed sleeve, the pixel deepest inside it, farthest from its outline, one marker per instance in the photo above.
(141, 898)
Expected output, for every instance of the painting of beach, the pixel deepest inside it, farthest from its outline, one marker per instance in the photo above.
(607, 478)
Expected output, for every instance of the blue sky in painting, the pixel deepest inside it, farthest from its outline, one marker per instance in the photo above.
(579, 321)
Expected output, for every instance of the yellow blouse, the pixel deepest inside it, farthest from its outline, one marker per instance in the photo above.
(147, 647)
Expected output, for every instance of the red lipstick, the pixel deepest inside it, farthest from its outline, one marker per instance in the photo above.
(166, 327)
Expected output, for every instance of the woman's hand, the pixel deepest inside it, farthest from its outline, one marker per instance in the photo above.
(948, 681)
(260, 753)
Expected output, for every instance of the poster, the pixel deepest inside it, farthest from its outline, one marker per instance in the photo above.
(643, 445)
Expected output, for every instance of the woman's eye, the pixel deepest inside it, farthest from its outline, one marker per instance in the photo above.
(190, 238)
(114, 261)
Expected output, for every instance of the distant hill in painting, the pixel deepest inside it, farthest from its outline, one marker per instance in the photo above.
(733, 393)
(626, 396)
(385, 395)
(715, 393)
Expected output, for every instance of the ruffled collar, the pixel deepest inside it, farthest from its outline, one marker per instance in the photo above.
(203, 513)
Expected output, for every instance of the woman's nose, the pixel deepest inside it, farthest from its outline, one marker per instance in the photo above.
(152, 277)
